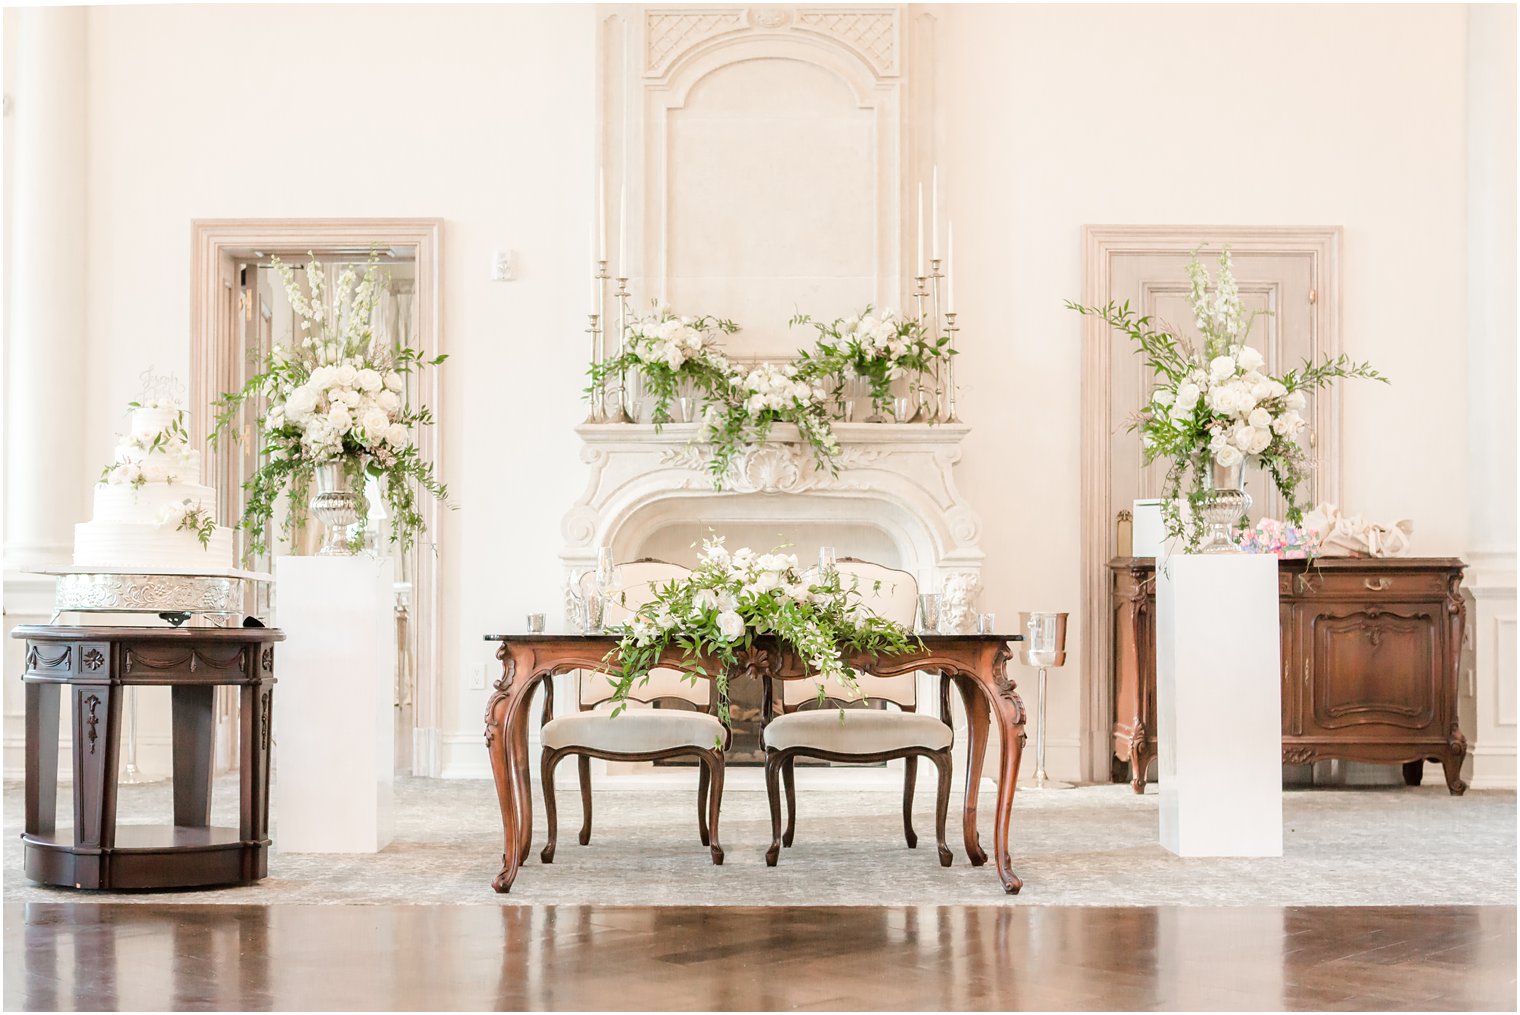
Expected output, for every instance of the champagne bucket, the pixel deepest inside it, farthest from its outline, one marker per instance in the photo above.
(1044, 638)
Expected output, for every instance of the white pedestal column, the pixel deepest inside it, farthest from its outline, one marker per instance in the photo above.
(1218, 705)
(334, 717)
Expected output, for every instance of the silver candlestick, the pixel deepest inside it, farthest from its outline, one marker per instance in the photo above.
(594, 329)
(950, 330)
(934, 335)
(619, 411)
(920, 295)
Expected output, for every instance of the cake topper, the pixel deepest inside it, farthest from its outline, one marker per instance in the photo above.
(161, 389)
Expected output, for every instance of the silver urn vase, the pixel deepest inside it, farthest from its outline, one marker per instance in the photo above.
(1225, 502)
(336, 506)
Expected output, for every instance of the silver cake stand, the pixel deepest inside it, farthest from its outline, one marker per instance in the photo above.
(178, 596)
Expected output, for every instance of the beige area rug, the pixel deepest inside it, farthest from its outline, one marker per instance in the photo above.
(1092, 846)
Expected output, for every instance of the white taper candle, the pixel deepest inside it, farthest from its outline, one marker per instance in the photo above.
(934, 219)
(622, 265)
(601, 215)
(950, 267)
(920, 271)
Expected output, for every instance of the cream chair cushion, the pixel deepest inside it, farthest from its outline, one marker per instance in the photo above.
(636, 731)
(862, 731)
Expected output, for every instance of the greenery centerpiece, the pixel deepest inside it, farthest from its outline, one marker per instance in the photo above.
(730, 599)
(335, 399)
(1217, 406)
(741, 414)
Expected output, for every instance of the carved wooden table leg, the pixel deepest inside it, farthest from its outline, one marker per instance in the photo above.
(517, 737)
(977, 718)
(1005, 701)
(497, 711)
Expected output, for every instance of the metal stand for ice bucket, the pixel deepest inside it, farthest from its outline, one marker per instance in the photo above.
(1044, 646)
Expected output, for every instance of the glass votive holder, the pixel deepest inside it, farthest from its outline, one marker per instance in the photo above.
(902, 408)
(535, 623)
(986, 623)
(928, 613)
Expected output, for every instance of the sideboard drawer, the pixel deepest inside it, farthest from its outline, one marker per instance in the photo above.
(1360, 584)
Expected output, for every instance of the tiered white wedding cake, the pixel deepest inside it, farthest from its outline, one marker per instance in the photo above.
(150, 513)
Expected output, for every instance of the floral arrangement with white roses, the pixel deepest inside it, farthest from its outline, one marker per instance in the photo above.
(731, 598)
(878, 348)
(337, 396)
(1217, 405)
(742, 403)
(669, 352)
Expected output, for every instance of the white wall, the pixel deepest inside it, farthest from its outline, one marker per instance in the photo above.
(1052, 118)
(1056, 117)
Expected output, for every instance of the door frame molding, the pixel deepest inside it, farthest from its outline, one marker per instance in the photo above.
(1100, 244)
(213, 239)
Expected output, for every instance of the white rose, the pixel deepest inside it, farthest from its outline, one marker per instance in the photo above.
(375, 422)
(1187, 397)
(369, 380)
(1259, 441)
(396, 436)
(1287, 424)
(339, 419)
(727, 602)
(1249, 358)
(301, 403)
(1261, 419)
(1228, 456)
(388, 400)
(346, 374)
(393, 381)
(1296, 400)
(705, 599)
(1163, 396)
(1244, 437)
(321, 377)
(730, 625)
(1222, 368)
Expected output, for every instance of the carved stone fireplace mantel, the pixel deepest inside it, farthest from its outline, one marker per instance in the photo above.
(898, 478)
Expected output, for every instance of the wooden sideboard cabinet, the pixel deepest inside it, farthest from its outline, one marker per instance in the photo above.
(1370, 650)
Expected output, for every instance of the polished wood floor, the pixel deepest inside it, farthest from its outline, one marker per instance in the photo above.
(69, 956)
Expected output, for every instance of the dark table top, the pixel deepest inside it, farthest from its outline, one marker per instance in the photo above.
(612, 636)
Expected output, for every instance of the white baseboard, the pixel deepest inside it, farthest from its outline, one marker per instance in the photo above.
(1493, 769)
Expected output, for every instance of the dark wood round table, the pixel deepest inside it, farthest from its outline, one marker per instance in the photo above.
(96, 664)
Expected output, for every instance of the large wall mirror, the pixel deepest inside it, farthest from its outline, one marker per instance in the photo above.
(240, 312)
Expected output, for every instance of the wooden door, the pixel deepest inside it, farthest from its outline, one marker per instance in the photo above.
(1292, 271)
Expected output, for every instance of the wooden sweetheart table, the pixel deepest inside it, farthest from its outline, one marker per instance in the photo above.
(977, 664)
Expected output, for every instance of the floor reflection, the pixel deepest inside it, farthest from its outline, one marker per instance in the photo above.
(62, 956)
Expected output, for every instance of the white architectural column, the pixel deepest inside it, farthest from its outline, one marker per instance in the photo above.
(44, 472)
(44, 434)
(1491, 304)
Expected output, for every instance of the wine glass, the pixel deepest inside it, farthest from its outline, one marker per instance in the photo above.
(828, 562)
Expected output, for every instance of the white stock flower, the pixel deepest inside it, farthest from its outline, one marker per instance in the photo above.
(727, 602)
(1163, 396)
(705, 599)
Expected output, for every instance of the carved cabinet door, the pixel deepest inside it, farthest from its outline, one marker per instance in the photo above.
(1368, 666)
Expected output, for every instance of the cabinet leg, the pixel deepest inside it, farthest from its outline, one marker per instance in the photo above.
(1139, 763)
(1452, 765)
(1414, 772)
(194, 741)
(41, 758)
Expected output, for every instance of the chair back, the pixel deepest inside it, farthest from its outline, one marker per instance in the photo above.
(642, 579)
(890, 593)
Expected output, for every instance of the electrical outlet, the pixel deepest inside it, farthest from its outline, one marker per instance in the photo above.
(477, 676)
